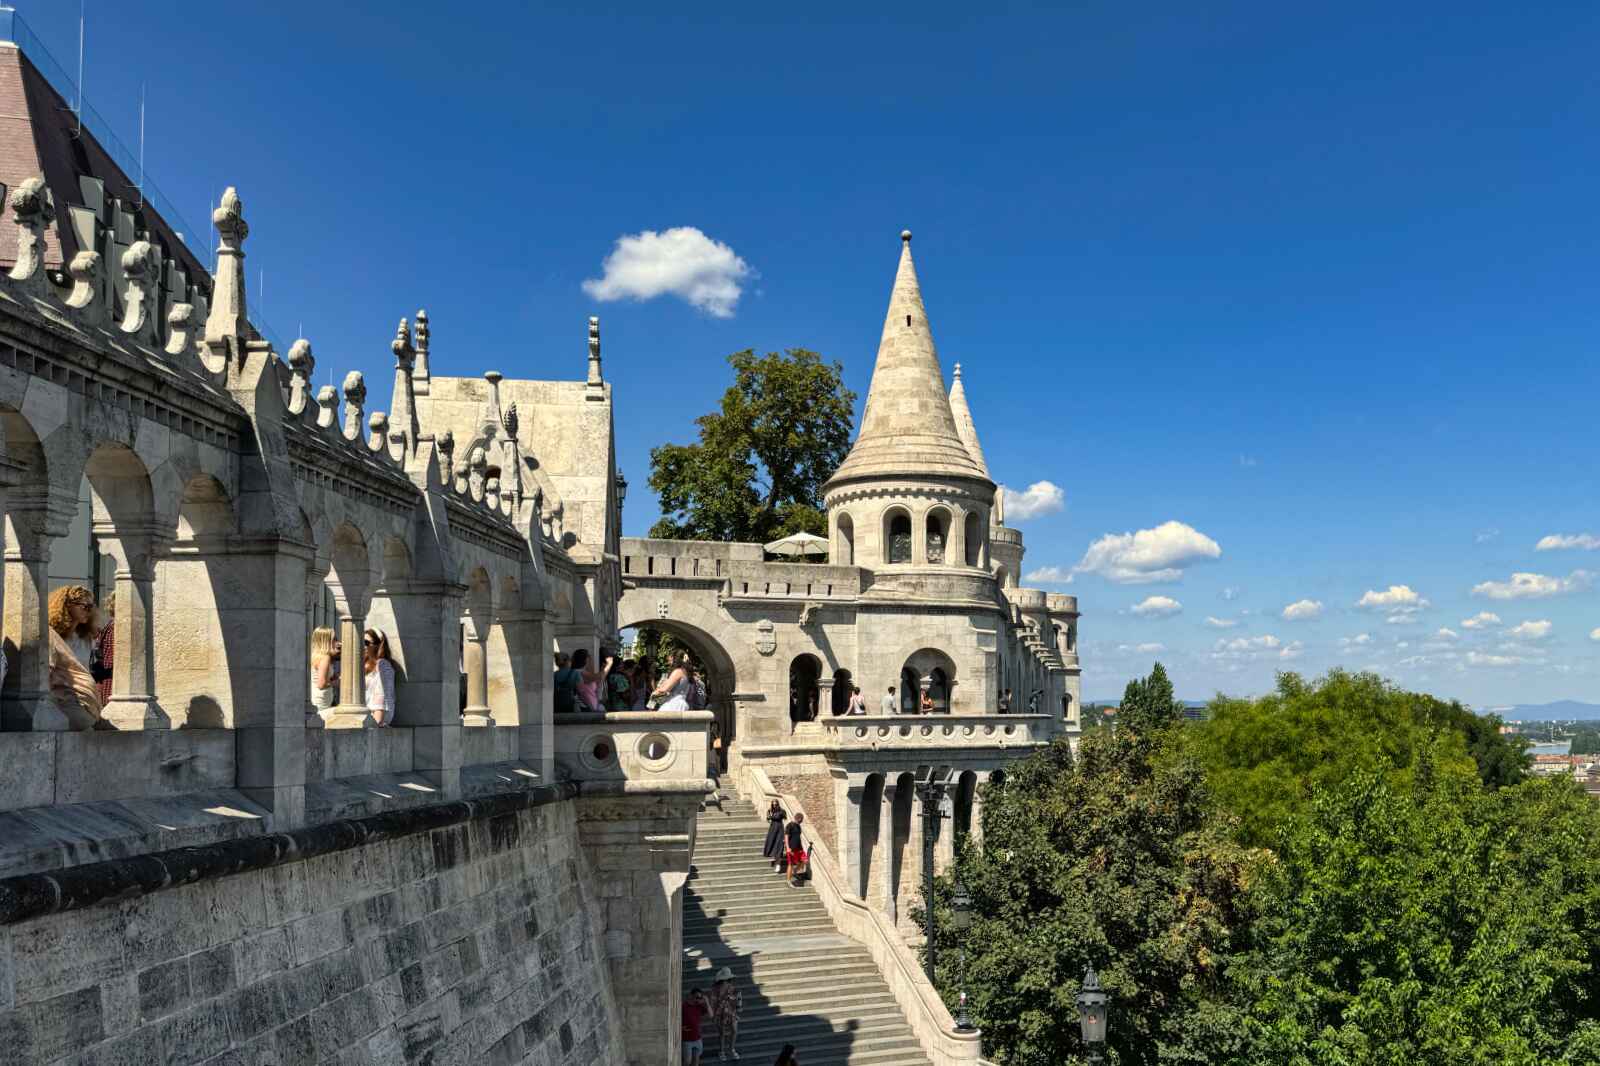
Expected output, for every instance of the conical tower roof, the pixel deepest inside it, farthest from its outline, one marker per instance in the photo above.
(908, 429)
(966, 429)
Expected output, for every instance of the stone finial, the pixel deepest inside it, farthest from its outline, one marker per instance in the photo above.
(301, 365)
(85, 272)
(139, 267)
(378, 431)
(510, 421)
(327, 407)
(489, 427)
(403, 403)
(419, 374)
(227, 326)
(477, 473)
(180, 329)
(958, 372)
(33, 208)
(355, 397)
(594, 388)
(491, 488)
(447, 450)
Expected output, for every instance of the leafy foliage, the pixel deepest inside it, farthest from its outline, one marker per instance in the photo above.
(757, 471)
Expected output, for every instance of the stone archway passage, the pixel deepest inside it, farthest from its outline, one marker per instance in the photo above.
(721, 678)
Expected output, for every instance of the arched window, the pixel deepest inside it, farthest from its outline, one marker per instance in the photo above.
(910, 691)
(803, 691)
(845, 553)
(972, 534)
(939, 691)
(841, 691)
(897, 537)
(938, 523)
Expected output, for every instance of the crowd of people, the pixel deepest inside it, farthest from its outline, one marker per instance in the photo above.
(619, 684)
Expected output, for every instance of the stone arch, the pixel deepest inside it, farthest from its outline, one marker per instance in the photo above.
(910, 690)
(707, 636)
(900, 842)
(871, 822)
(972, 539)
(844, 540)
(936, 535)
(965, 792)
(935, 673)
(350, 570)
(842, 680)
(201, 612)
(897, 535)
(28, 537)
(805, 670)
(1002, 576)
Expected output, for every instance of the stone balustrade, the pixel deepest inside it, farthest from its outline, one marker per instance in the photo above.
(634, 746)
(936, 730)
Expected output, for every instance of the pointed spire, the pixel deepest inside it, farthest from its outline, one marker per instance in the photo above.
(908, 428)
(966, 429)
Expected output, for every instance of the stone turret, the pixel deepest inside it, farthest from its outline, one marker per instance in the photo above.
(910, 494)
(965, 427)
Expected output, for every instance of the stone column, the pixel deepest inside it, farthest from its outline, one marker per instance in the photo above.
(475, 659)
(133, 703)
(28, 705)
(520, 686)
(889, 854)
(924, 685)
(351, 710)
(314, 580)
(824, 698)
(910, 889)
(848, 792)
(428, 620)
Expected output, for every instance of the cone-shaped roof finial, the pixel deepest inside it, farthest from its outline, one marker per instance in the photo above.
(908, 429)
(965, 427)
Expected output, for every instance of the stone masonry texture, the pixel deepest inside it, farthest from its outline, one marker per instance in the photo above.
(471, 943)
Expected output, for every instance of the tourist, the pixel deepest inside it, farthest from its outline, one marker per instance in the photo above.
(677, 685)
(72, 687)
(1005, 702)
(589, 680)
(619, 686)
(695, 1010)
(641, 686)
(726, 1002)
(103, 659)
(324, 669)
(796, 856)
(566, 682)
(886, 705)
(378, 666)
(858, 703)
(926, 706)
(772, 850)
(786, 1057)
(1033, 701)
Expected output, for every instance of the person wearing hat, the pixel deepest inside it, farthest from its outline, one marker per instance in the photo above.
(726, 1002)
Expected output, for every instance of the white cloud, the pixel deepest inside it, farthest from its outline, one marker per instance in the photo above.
(1358, 641)
(1530, 630)
(1150, 555)
(1230, 593)
(1302, 610)
(1265, 646)
(1393, 598)
(1557, 541)
(1525, 586)
(1221, 623)
(1157, 606)
(1479, 658)
(1446, 633)
(1481, 620)
(681, 262)
(1049, 575)
(1150, 649)
(1487, 536)
(1594, 634)
(1040, 498)
(1402, 618)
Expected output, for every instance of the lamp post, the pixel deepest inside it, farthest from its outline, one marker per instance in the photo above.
(961, 907)
(1092, 1004)
(931, 784)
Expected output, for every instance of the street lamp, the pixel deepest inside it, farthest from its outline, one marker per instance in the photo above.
(1092, 1014)
(931, 785)
(961, 907)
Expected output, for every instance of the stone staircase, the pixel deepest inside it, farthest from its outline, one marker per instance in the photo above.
(803, 982)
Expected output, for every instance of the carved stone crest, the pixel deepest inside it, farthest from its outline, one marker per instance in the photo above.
(663, 608)
(766, 639)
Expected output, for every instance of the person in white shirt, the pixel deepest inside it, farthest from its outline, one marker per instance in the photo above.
(858, 705)
(378, 667)
(886, 705)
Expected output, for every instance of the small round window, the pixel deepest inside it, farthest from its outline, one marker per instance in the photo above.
(653, 747)
(602, 751)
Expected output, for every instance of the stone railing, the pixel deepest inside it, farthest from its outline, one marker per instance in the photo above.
(936, 730)
(634, 746)
(919, 1002)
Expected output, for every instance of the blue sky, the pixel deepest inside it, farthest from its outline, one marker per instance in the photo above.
(1316, 281)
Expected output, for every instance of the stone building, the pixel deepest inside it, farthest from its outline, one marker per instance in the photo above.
(919, 592)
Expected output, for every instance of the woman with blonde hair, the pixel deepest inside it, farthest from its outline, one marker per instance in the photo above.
(378, 667)
(71, 642)
(324, 669)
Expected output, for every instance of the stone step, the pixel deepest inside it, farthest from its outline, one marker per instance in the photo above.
(799, 994)
(860, 1047)
(702, 929)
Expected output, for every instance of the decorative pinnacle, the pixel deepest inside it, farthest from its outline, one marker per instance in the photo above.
(401, 345)
(229, 216)
(301, 360)
(905, 235)
(958, 371)
(493, 377)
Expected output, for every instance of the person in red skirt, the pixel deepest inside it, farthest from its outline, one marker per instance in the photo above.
(796, 852)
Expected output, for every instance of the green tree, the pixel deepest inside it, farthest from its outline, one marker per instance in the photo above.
(1265, 757)
(1115, 860)
(1451, 925)
(757, 471)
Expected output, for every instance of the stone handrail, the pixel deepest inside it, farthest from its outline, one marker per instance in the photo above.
(934, 730)
(921, 1004)
(634, 746)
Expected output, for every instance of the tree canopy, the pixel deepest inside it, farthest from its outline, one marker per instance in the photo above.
(757, 471)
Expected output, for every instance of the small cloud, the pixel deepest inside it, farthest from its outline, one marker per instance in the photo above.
(1150, 555)
(1486, 536)
(1559, 541)
(1150, 649)
(1402, 618)
(1530, 630)
(1360, 640)
(1247, 461)
(1157, 606)
(1302, 610)
(1049, 575)
(1481, 620)
(1479, 658)
(1446, 633)
(1594, 634)
(1231, 592)
(1221, 623)
(1395, 597)
(1040, 498)
(1250, 649)
(1525, 586)
(681, 262)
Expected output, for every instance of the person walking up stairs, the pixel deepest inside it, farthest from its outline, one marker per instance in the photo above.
(802, 982)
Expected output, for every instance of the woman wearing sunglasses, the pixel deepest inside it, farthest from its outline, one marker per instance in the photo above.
(379, 670)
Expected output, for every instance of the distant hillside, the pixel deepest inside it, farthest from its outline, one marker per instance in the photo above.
(1546, 712)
